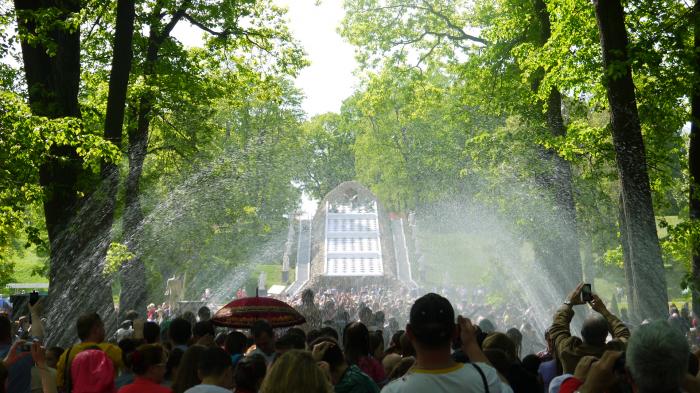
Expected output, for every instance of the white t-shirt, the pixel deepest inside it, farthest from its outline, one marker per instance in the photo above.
(461, 378)
(207, 389)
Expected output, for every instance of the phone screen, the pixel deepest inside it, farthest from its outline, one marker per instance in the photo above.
(586, 294)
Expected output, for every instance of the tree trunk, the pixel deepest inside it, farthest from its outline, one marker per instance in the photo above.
(116, 100)
(632, 308)
(645, 254)
(561, 181)
(72, 208)
(134, 290)
(694, 159)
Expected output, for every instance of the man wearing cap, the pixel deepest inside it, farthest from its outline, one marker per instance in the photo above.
(432, 329)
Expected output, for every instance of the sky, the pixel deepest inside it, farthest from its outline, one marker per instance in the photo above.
(329, 79)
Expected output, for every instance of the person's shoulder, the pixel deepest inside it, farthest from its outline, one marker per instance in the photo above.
(397, 385)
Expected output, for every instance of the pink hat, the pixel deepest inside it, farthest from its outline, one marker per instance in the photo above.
(92, 371)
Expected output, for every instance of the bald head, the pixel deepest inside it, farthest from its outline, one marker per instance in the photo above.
(594, 330)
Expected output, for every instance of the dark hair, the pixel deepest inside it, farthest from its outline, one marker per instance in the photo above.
(407, 346)
(594, 330)
(174, 359)
(693, 364)
(145, 357)
(355, 342)
(214, 362)
(86, 323)
(220, 339)
(402, 368)
(531, 363)
(261, 326)
(297, 331)
(5, 328)
(127, 346)
(57, 351)
(333, 355)
(250, 372)
(180, 331)
(132, 315)
(204, 313)
(307, 296)
(328, 331)
(203, 328)
(290, 341)
(151, 332)
(235, 342)
(376, 340)
(187, 375)
(312, 335)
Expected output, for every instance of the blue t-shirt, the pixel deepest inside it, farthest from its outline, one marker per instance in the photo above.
(19, 379)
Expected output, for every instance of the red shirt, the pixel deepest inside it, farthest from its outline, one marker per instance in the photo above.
(143, 385)
(570, 385)
(372, 368)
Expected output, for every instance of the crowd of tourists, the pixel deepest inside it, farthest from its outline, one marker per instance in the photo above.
(359, 341)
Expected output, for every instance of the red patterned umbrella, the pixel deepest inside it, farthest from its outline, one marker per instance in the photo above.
(242, 313)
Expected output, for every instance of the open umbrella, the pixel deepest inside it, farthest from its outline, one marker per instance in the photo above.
(242, 313)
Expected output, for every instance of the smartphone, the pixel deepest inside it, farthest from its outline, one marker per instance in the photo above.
(33, 298)
(586, 293)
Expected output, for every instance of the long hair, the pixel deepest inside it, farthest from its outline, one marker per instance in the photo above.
(296, 372)
(355, 342)
(187, 375)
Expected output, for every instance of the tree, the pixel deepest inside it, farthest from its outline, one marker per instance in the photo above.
(694, 159)
(645, 254)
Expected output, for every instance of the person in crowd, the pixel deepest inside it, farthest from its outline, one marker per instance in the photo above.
(432, 329)
(328, 331)
(570, 349)
(310, 311)
(151, 332)
(235, 346)
(264, 338)
(357, 351)
(390, 361)
(19, 372)
(92, 371)
(395, 343)
(180, 331)
(656, 360)
(204, 332)
(376, 345)
(187, 375)
(126, 376)
(517, 338)
(172, 366)
(344, 377)
(296, 372)
(249, 374)
(148, 365)
(215, 371)
(401, 368)
(91, 332)
(151, 312)
(502, 352)
(288, 342)
(203, 314)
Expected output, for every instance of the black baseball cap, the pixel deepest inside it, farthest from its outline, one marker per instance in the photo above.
(432, 320)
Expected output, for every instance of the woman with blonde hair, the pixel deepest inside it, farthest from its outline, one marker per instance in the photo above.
(296, 372)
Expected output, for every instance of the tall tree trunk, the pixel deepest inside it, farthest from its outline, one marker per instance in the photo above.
(571, 272)
(632, 308)
(645, 254)
(134, 291)
(116, 101)
(72, 208)
(694, 158)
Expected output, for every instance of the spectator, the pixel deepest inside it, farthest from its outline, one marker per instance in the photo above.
(235, 346)
(215, 371)
(187, 375)
(180, 331)
(296, 372)
(345, 378)
(91, 332)
(203, 333)
(126, 377)
(357, 351)
(310, 311)
(264, 340)
(151, 332)
(172, 366)
(203, 314)
(20, 372)
(249, 374)
(431, 330)
(92, 371)
(288, 342)
(570, 349)
(148, 364)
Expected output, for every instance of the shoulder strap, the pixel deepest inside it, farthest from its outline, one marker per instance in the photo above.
(483, 377)
(67, 380)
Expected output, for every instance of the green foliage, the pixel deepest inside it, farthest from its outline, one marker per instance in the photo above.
(117, 255)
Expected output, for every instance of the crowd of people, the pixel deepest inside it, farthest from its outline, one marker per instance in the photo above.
(359, 341)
